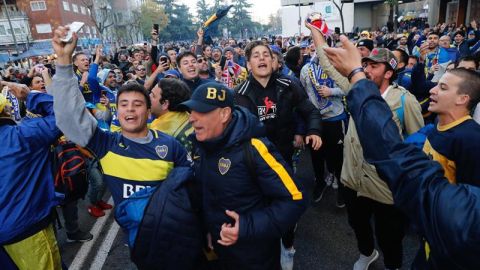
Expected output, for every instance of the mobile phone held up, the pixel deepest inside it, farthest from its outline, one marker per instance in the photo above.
(155, 27)
(74, 28)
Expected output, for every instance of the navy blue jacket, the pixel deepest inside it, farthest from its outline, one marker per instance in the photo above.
(170, 234)
(269, 202)
(446, 215)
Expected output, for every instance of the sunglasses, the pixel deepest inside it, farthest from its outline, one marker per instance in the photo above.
(200, 60)
(141, 69)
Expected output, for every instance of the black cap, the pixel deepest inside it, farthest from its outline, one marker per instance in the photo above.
(367, 43)
(209, 96)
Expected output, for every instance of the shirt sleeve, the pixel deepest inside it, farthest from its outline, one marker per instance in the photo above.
(71, 116)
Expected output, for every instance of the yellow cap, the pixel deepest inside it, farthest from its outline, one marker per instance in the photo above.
(365, 32)
(3, 102)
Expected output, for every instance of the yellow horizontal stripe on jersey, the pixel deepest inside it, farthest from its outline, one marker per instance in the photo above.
(278, 168)
(136, 169)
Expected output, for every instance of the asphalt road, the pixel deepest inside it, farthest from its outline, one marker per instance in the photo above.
(324, 239)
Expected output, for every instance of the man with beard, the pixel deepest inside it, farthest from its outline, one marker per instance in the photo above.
(366, 194)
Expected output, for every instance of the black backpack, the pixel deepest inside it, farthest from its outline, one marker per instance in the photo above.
(69, 171)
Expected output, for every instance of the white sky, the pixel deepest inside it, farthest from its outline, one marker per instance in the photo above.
(260, 11)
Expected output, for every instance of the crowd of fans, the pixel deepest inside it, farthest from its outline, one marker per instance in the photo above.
(294, 87)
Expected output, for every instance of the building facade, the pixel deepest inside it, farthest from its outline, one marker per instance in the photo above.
(46, 15)
(20, 24)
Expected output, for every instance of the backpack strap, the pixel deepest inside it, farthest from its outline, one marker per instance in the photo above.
(401, 112)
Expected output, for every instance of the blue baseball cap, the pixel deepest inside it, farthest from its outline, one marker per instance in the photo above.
(208, 97)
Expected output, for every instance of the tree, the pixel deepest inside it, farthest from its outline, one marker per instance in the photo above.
(100, 14)
(241, 17)
(204, 11)
(152, 12)
(340, 10)
(180, 25)
(393, 4)
(274, 23)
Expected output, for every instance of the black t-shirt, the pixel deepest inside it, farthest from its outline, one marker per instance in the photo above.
(266, 103)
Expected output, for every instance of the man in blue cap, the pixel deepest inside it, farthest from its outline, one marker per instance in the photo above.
(249, 195)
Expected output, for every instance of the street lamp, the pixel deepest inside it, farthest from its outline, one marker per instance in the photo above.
(11, 27)
(299, 20)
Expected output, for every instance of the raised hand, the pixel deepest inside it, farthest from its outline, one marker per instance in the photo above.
(63, 50)
(344, 59)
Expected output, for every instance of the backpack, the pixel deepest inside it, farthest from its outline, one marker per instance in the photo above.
(69, 171)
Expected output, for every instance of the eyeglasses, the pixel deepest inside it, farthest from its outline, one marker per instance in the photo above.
(200, 60)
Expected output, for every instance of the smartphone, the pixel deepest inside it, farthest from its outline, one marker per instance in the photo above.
(74, 28)
(155, 27)
(163, 59)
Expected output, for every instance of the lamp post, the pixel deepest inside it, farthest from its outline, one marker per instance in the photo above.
(299, 20)
(11, 27)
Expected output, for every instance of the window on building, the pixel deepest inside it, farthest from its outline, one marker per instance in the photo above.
(44, 28)
(88, 10)
(38, 5)
(3, 31)
(87, 30)
(66, 6)
(83, 10)
(94, 31)
(75, 8)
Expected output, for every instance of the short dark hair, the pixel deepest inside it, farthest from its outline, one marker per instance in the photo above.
(413, 57)
(403, 56)
(469, 85)
(468, 58)
(185, 54)
(433, 33)
(75, 56)
(459, 32)
(175, 91)
(252, 45)
(292, 56)
(134, 87)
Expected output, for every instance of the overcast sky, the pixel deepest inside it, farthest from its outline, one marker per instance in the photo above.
(260, 11)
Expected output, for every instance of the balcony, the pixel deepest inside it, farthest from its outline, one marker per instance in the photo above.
(20, 25)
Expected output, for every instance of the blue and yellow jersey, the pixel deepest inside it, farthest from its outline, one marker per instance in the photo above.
(129, 166)
(113, 106)
(84, 89)
(175, 124)
(456, 147)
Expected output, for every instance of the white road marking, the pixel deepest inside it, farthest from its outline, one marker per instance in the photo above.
(86, 247)
(104, 249)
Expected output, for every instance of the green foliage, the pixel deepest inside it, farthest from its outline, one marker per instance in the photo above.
(180, 26)
(204, 11)
(152, 12)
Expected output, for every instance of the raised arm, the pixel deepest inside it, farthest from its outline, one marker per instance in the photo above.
(320, 44)
(418, 184)
(71, 116)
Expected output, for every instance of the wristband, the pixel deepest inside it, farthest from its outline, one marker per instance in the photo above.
(354, 71)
